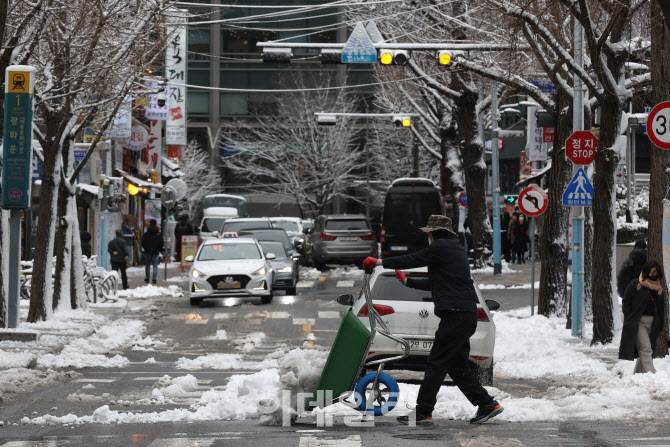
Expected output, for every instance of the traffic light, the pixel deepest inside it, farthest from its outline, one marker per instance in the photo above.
(444, 57)
(393, 57)
(326, 120)
(331, 56)
(511, 199)
(277, 56)
(401, 121)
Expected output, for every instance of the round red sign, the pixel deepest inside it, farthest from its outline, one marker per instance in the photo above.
(533, 201)
(463, 199)
(581, 147)
(658, 125)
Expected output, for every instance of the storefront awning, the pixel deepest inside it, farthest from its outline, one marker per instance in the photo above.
(155, 187)
(91, 189)
(171, 169)
(536, 176)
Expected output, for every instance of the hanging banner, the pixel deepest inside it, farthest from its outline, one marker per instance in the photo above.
(175, 68)
(666, 240)
(154, 149)
(536, 150)
(525, 168)
(123, 120)
(153, 111)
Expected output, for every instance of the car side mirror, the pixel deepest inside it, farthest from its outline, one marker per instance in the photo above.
(296, 257)
(270, 256)
(308, 231)
(493, 305)
(215, 234)
(189, 258)
(346, 300)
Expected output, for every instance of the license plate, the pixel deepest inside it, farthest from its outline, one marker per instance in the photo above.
(229, 285)
(420, 345)
(398, 248)
(348, 238)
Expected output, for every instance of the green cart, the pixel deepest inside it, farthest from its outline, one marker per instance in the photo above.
(374, 393)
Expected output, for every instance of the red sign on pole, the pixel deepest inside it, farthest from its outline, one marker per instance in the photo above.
(658, 125)
(581, 147)
(548, 134)
(533, 201)
(463, 199)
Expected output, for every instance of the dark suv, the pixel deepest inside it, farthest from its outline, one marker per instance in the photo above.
(340, 239)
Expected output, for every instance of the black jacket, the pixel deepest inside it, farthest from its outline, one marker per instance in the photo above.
(183, 229)
(449, 277)
(117, 245)
(633, 305)
(631, 269)
(152, 242)
(85, 238)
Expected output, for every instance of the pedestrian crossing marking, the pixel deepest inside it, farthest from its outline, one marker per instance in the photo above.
(183, 442)
(329, 314)
(222, 316)
(304, 284)
(197, 321)
(301, 321)
(94, 380)
(313, 441)
(345, 284)
(278, 315)
(176, 317)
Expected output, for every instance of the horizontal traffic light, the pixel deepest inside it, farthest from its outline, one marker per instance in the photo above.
(277, 56)
(402, 121)
(444, 57)
(393, 57)
(326, 120)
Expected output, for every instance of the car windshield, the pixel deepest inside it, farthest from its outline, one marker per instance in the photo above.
(347, 224)
(286, 225)
(211, 224)
(388, 288)
(227, 252)
(241, 225)
(306, 225)
(273, 235)
(276, 248)
(416, 209)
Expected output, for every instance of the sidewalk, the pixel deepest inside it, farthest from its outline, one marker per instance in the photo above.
(512, 274)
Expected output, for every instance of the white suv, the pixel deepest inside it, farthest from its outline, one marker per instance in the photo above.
(408, 313)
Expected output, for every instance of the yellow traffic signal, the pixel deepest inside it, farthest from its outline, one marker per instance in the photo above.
(386, 58)
(444, 58)
(393, 57)
(406, 122)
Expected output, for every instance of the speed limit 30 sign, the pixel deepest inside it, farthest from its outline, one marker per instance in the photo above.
(658, 125)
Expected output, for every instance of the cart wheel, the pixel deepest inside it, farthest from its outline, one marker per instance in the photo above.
(385, 397)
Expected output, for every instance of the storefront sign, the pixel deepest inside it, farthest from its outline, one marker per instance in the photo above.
(122, 124)
(189, 247)
(139, 137)
(175, 63)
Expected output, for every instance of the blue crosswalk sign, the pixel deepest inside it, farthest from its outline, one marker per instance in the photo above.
(579, 192)
(359, 49)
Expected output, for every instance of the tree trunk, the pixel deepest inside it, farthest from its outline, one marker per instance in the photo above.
(588, 263)
(77, 292)
(63, 238)
(658, 185)
(604, 239)
(450, 175)
(554, 273)
(41, 291)
(474, 168)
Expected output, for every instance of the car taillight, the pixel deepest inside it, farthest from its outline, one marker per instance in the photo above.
(481, 315)
(369, 237)
(381, 310)
(327, 237)
(383, 235)
(476, 357)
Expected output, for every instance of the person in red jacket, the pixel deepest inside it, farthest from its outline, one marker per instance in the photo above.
(450, 282)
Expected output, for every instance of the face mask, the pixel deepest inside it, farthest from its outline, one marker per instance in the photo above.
(652, 278)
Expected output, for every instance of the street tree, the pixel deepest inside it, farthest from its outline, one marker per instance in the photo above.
(200, 176)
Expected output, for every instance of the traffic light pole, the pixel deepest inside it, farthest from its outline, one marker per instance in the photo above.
(577, 316)
(495, 187)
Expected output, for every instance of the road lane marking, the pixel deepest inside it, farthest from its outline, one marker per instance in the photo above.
(324, 330)
(183, 442)
(329, 314)
(197, 321)
(304, 284)
(94, 380)
(306, 330)
(301, 321)
(279, 315)
(345, 284)
(222, 316)
(322, 279)
(313, 441)
(176, 317)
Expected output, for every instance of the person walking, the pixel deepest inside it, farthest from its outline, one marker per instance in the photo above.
(520, 245)
(85, 240)
(152, 244)
(504, 236)
(643, 314)
(119, 256)
(183, 228)
(510, 234)
(632, 266)
(450, 282)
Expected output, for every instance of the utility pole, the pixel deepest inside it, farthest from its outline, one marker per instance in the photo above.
(495, 187)
(577, 316)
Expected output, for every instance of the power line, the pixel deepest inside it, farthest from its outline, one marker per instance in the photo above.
(323, 5)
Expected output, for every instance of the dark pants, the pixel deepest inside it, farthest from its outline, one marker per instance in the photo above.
(121, 266)
(450, 356)
(149, 261)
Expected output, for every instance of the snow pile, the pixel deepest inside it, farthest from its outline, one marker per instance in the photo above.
(489, 269)
(309, 273)
(9, 359)
(221, 335)
(90, 351)
(151, 291)
(249, 342)
(168, 388)
(347, 272)
(20, 380)
(210, 361)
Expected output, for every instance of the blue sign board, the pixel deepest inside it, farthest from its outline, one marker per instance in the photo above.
(579, 192)
(16, 147)
(359, 49)
(545, 85)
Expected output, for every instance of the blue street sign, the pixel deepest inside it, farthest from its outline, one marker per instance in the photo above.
(16, 147)
(545, 85)
(359, 49)
(579, 192)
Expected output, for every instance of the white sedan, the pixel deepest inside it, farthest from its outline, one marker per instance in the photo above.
(408, 313)
(230, 268)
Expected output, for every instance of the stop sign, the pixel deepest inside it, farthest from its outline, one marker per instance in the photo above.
(581, 147)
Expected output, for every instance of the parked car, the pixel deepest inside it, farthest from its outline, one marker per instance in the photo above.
(213, 220)
(248, 223)
(275, 235)
(408, 205)
(230, 267)
(220, 200)
(340, 239)
(408, 313)
(285, 268)
(307, 225)
(292, 226)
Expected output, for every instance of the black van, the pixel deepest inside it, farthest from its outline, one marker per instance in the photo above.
(409, 203)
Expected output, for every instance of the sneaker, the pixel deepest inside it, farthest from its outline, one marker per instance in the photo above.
(417, 417)
(146, 280)
(486, 412)
(153, 281)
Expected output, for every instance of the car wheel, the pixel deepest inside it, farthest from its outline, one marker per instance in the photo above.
(196, 301)
(267, 299)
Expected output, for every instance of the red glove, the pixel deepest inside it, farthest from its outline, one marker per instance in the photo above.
(369, 264)
(401, 277)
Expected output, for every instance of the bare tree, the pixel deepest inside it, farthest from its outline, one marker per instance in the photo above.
(290, 154)
(200, 176)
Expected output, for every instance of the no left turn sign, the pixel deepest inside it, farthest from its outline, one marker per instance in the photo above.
(658, 125)
(533, 201)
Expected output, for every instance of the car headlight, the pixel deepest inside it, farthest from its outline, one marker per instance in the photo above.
(287, 269)
(197, 274)
(261, 271)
